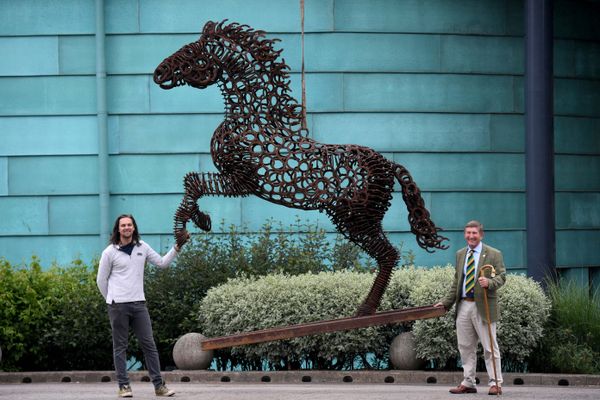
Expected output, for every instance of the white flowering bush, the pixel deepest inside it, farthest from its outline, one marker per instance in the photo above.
(524, 309)
(435, 338)
(249, 304)
(244, 305)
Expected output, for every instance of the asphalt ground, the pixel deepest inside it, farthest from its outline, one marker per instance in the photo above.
(281, 391)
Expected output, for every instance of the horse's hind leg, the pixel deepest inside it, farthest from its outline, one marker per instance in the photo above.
(377, 245)
(365, 230)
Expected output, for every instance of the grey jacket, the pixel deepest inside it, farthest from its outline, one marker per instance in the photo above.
(121, 276)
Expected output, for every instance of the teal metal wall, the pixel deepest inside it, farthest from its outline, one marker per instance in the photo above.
(435, 85)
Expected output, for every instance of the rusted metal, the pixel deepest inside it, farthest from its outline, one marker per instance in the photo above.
(313, 328)
(260, 149)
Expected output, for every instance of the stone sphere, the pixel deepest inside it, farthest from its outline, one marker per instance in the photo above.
(188, 353)
(402, 353)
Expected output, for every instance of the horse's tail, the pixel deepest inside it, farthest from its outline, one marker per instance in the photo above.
(418, 216)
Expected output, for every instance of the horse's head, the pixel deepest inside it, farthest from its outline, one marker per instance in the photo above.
(193, 64)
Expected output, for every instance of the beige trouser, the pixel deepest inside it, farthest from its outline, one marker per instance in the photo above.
(470, 329)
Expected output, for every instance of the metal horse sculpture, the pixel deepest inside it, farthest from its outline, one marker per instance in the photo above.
(260, 149)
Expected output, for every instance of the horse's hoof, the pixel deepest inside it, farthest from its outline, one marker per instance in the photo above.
(202, 221)
(365, 310)
(181, 237)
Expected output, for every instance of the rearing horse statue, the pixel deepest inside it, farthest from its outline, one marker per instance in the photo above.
(260, 149)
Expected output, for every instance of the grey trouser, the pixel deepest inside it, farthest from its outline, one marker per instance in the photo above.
(134, 314)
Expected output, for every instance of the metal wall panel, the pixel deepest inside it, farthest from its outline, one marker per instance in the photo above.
(435, 85)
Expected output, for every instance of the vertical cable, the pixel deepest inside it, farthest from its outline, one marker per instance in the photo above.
(303, 78)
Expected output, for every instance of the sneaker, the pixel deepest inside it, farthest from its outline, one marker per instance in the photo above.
(162, 390)
(125, 391)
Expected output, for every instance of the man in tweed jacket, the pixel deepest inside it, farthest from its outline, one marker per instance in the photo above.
(471, 318)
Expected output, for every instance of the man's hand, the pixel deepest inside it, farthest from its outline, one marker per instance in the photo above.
(439, 305)
(178, 247)
(483, 282)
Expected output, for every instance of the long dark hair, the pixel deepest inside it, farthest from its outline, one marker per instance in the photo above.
(115, 238)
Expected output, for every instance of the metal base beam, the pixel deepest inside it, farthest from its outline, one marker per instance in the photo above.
(313, 328)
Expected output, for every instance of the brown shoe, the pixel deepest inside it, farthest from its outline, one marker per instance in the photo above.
(461, 389)
(495, 390)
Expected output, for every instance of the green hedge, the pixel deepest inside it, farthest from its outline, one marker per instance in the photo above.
(244, 305)
(26, 301)
(52, 320)
(56, 319)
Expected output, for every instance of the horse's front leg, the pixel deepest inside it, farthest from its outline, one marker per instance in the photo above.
(198, 185)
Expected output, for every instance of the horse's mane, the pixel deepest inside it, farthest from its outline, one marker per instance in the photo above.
(244, 38)
(251, 40)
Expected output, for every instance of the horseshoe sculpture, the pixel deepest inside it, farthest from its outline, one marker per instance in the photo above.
(259, 149)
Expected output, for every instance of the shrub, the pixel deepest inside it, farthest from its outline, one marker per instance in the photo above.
(567, 354)
(52, 320)
(572, 342)
(435, 338)
(248, 304)
(26, 301)
(78, 335)
(57, 320)
(523, 311)
(575, 309)
(245, 304)
(211, 259)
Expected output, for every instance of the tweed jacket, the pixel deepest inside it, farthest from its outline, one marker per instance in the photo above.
(489, 255)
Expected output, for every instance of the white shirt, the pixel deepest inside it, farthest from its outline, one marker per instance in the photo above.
(476, 254)
(121, 276)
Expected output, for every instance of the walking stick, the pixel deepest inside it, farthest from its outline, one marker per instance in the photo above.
(489, 323)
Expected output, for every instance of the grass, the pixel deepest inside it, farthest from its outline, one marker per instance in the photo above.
(571, 342)
(576, 309)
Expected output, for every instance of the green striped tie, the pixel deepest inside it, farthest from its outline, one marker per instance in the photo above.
(470, 279)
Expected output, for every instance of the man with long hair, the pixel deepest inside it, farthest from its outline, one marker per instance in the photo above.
(121, 282)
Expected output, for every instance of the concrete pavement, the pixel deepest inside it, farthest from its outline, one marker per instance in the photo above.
(273, 391)
(290, 385)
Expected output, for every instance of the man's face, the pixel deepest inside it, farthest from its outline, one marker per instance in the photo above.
(126, 228)
(473, 236)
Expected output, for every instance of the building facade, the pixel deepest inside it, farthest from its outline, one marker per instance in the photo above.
(435, 85)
